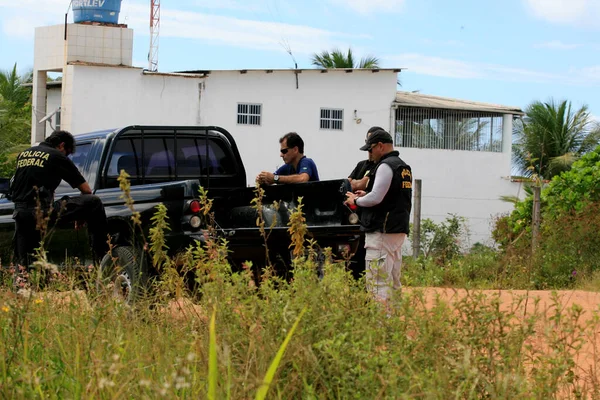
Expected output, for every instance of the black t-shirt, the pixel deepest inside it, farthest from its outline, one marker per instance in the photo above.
(42, 166)
(362, 169)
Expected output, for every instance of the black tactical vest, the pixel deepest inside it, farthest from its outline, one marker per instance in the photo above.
(392, 215)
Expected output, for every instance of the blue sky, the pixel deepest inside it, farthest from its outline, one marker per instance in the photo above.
(507, 52)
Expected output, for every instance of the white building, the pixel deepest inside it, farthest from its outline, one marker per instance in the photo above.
(461, 150)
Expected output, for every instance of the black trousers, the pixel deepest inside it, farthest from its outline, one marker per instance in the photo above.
(86, 208)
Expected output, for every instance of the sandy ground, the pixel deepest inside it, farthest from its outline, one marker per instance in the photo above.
(587, 360)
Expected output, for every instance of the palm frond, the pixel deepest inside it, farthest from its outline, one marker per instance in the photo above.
(550, 131)
(369, 62)
(339, 59)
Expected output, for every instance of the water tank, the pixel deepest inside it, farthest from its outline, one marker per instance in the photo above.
(106, 11)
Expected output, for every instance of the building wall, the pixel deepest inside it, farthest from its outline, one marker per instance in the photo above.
(107, 45)
(87, 43)
(286, 108)
(466, 183)
(106, 98)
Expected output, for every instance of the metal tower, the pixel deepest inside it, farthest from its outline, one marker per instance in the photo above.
(154, 31)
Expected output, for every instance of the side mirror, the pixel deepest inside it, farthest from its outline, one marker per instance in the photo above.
(4, 186)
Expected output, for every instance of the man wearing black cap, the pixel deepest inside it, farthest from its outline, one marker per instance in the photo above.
(40, 170)
(359, 177)
(385, 210)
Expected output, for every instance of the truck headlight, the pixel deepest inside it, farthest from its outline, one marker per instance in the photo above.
(195, 222)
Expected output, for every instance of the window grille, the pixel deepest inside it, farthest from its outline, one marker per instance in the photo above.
(249, 114)
(430, 128)
(57, 120)
(332, 118)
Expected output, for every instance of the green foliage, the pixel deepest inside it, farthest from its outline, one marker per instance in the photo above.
(442, 241)
(337, 59)
(12, 93)
(569, 246)
(297, 229)
(482, 267)
(566, 193)
(15, 119)
(75, 345)
(212, 359)
(551, 137)
(159, 247)
(268, 380)
(573, 190)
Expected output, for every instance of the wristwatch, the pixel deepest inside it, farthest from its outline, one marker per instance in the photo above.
(276, 178)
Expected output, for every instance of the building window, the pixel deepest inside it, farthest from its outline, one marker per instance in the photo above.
(332, 118)
(57, 120)
(430, 128)
(249, 114)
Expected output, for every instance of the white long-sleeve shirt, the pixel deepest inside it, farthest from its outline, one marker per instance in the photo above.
(383, 181)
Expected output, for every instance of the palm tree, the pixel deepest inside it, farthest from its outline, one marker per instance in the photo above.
(337, 59)
(551, 137)
(11, 89)
(15, 118)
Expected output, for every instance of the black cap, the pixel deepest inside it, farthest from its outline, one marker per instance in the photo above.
(379, 136)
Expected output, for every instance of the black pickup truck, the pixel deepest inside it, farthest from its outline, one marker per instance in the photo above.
(168, 164)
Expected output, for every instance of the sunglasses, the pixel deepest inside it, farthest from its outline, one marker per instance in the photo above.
(370, 149)
(284, 151)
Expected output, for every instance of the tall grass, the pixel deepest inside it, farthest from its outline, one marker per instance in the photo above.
(238, 338)
(78, 345)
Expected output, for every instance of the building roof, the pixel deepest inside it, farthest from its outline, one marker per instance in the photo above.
(410, 99)
(300, 70)
(49, 84)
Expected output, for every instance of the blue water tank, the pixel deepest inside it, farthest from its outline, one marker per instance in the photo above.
(106, 11)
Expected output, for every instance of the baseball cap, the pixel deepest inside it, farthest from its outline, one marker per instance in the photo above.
(379, 136)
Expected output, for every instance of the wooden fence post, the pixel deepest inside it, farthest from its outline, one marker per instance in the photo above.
(416, 233)
(536, 218)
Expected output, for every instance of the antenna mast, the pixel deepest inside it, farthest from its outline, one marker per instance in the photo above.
(154, 31)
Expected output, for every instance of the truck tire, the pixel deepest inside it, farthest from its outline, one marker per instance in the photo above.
(124, 274)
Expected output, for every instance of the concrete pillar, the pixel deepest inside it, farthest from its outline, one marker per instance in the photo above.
(507, 130)
(38, 106)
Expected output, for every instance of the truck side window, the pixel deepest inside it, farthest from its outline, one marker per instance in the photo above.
(160, 158)
(82, 150)
(194, 159)
(81, 153)
(126, 155)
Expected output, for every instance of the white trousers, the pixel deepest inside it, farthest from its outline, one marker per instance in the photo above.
(383, 262)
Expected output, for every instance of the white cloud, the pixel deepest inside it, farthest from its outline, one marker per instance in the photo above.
(558, 45)
(450, 68)
(590, 75)
(238, 32)
(371, 6)
(572, 12)
(436, 66)
(20, 18)
(229, 5)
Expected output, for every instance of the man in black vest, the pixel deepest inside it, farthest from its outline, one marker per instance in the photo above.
(359, 177)
(385, 210)
(40, 170)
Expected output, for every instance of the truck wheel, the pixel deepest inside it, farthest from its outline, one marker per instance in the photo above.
(124, 274)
